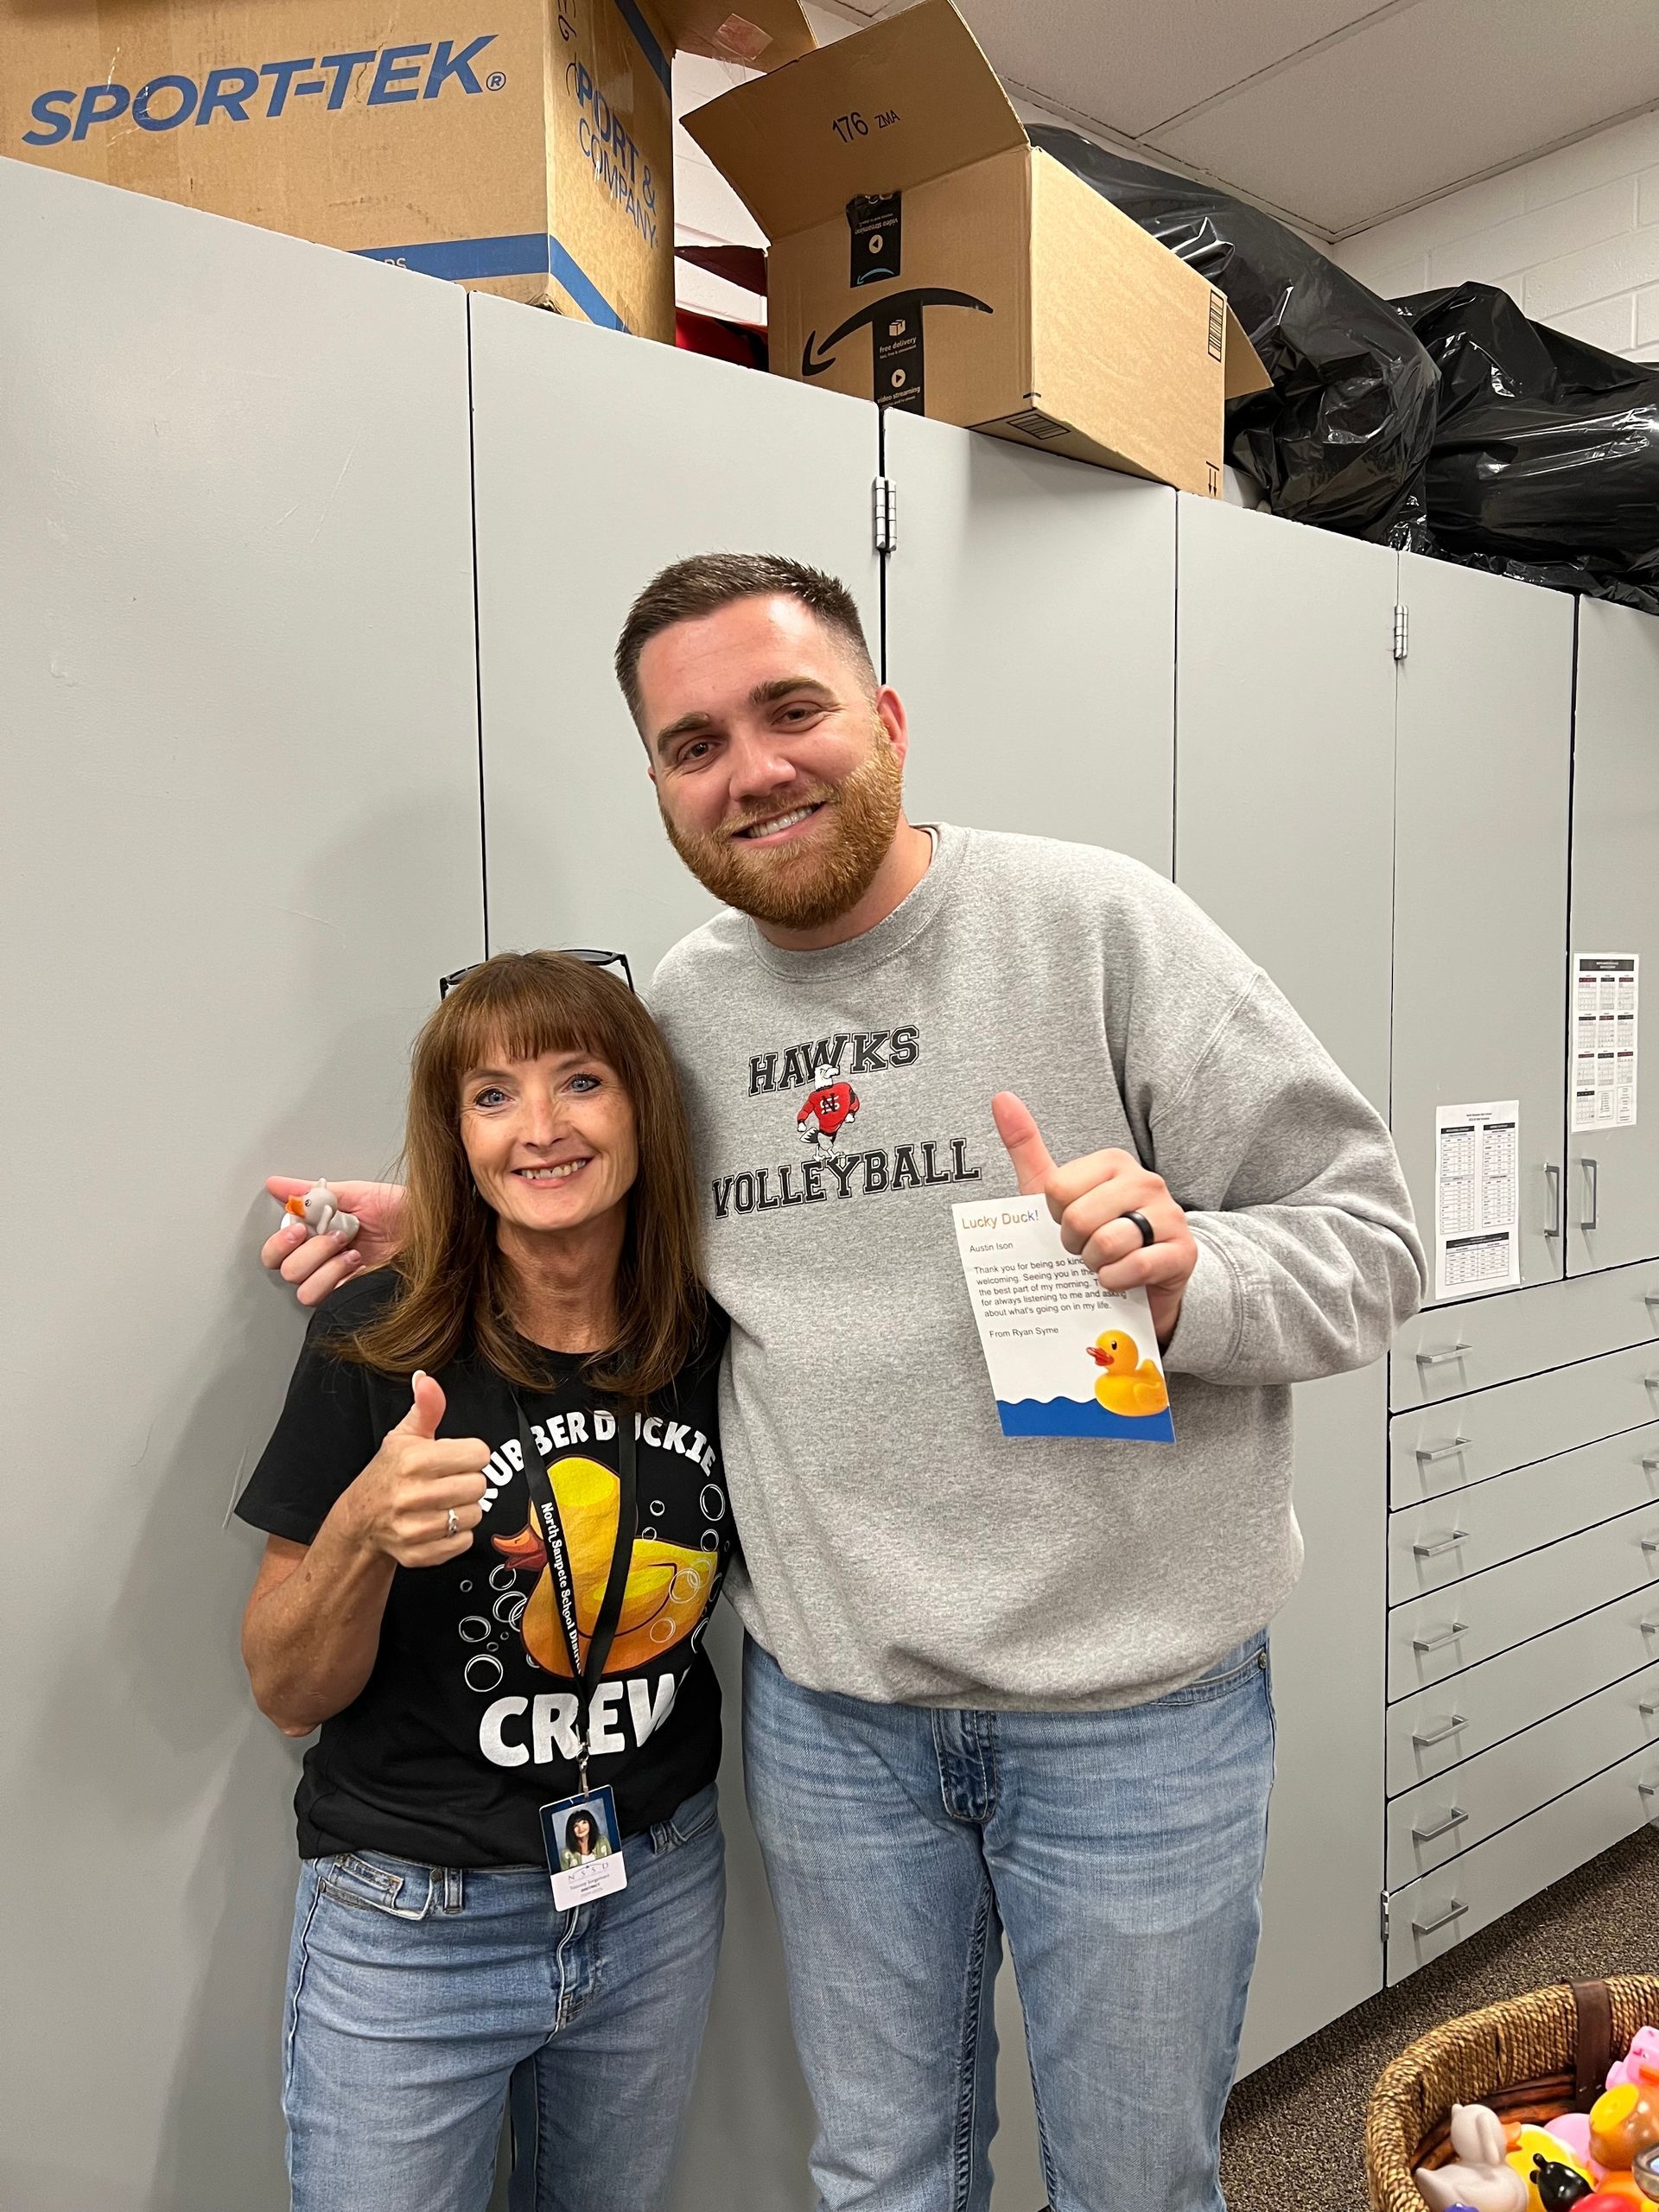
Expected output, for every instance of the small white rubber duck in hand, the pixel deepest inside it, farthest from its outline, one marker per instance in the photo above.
(321, 1214)
(1479, 2177)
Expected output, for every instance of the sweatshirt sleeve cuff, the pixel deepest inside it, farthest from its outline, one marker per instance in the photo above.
(1211, 1321)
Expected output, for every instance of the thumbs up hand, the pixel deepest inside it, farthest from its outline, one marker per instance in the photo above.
(1091, 1198)
(420, 1498)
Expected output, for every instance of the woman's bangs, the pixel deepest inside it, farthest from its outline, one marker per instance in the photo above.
(519, 1014)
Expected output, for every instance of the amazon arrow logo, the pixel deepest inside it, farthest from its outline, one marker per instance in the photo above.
(896, 327)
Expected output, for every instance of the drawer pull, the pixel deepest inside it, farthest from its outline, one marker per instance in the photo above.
(1651, 1299)
(1646, 1707)
(1553, 1184)
(1429, 1455)
(1649, 1624)
(1455, 1818)
(1458, 1351)
(1650, 1544)
(1449, 1544)
(1449, 1726)
(1453, 1911)
(1440, 1638)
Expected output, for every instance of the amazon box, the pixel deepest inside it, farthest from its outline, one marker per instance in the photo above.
(519, 146)
(925, 254)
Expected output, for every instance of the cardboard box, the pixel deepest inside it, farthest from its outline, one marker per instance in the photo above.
(520, 146)
(925, 254)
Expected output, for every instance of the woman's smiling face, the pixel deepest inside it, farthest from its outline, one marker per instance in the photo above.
(552, 1141)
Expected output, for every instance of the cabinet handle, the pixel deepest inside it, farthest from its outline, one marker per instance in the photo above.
(1650, 1464)
(1552, 1178)
(1449, 1726)
(1650, 1544)
(1592, 1192)
(1651, 1299)
(1440, 1638)
(1453, 1911)
(1649, 1624)
(1456, 1351)
(1430, 1455)
(1447, 1544)
(1455, 1818)
(1646, 1707)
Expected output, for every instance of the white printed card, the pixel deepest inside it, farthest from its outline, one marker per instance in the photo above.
(1066, 1358)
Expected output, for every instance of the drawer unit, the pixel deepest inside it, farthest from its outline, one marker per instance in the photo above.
(1439, 1727)
(1432, 1545)
(1440, 1448)
(1432, 1638)
(1439, 1819)
(1429, 1916)
(1448, 1350)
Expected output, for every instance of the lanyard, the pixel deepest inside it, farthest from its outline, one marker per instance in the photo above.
(558, 1560)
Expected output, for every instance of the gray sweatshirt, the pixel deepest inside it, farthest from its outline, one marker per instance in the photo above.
(897, 1546)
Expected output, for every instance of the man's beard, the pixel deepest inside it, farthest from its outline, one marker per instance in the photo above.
(807, 885)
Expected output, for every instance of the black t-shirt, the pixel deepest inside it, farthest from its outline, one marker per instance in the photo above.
(465, 1728)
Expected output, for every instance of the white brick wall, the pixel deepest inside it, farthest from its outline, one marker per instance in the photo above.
(1574, 237)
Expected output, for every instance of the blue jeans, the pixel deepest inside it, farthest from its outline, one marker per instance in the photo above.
(415, 1993)
(1121, 1853)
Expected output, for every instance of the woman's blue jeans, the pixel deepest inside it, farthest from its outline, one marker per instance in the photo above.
(1120, 1852)
(416, 1993)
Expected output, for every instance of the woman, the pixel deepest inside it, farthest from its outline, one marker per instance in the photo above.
(583, 1841)
(465, 1619)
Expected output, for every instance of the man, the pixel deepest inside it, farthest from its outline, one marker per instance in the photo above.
(990, 1687)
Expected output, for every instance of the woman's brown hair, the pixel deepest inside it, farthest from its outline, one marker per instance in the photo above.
(456, 1286)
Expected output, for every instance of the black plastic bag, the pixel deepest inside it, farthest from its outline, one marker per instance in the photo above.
(1343, 438)
(1545, 457)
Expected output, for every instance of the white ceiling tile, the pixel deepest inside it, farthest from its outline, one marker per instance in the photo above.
(1134, 66)
(1419, 97)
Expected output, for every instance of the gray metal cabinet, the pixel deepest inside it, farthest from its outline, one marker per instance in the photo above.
(240, 843)
(1284, 817)
(1454, 1348)
(1613, 1176)
(1030, 632)
(1284, 782)
(1484, 732)
(597, 461)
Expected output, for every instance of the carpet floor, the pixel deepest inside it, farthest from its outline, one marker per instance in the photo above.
(1291, 2141)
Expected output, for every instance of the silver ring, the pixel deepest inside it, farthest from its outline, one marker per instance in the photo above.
(1148, 1234)
(454, 1525)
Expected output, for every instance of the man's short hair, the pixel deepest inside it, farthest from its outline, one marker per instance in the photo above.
(707, 581)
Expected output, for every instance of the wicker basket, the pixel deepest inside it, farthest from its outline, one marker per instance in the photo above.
(1528, 2058)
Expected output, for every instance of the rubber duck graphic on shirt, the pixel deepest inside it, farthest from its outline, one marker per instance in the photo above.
(667, 1589)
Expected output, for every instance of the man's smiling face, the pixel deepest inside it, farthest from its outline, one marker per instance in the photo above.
(778, 760)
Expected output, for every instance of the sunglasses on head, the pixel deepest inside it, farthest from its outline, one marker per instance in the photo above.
(594, 959)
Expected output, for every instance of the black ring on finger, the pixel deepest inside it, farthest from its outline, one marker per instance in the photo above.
(1148, 1234)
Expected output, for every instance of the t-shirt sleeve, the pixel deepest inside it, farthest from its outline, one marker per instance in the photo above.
(325, 1436)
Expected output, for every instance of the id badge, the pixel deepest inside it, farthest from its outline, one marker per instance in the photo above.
(584, 1848)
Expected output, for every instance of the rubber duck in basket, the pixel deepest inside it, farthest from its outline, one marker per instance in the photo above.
(1604, 2160)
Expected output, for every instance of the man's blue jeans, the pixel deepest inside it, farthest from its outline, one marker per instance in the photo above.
(1120, 1852)
(415, 1993)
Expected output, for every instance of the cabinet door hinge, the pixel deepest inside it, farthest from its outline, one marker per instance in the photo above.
(1384, 1918)
(1401, 632)
(883, 510)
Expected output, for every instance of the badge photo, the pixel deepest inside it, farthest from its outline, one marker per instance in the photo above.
(584, 1848)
